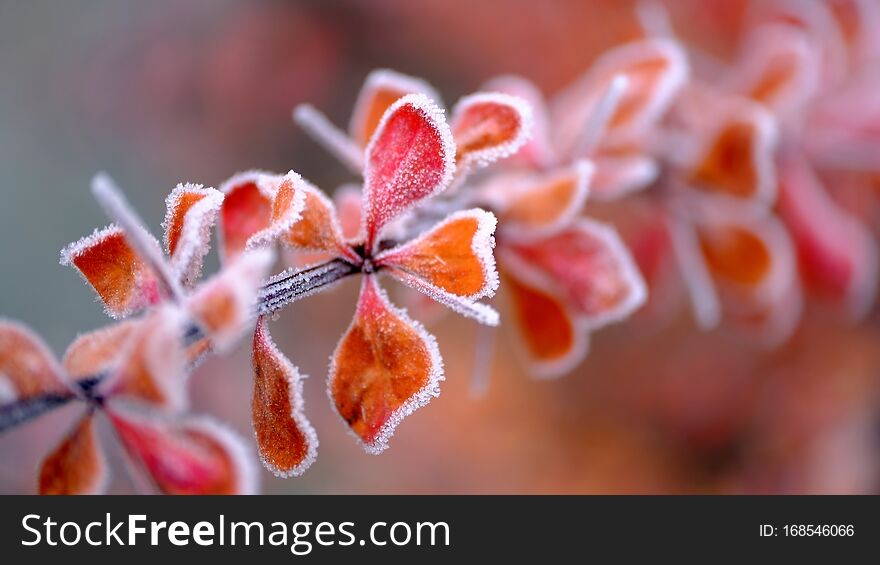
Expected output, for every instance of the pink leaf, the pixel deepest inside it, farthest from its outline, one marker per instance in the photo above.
(409, 158)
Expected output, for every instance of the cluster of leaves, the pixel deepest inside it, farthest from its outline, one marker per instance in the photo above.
(507, 178)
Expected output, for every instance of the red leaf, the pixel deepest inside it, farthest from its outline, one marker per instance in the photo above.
(410, 157)
(592, 268)
(194, 456)
(245, 211)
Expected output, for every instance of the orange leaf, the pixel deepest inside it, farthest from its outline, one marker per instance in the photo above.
(737, 156)
(143, 359)
(76, 465)
(553, 340)
(382, 89)
(385, 367)
(27, 367)
(489, 126)
(191, 211)
(287, 441)
(454, 256)
(544, 203)
(123, 281)
(654, 69)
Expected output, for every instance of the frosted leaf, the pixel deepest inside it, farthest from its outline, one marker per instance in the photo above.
(385, 367)
(77, 465)
(114, 204)
(537, 205)
(287, 442)
(455, 256)
(621, 175)
(734, 161)
(246, 209)
(331, 138)
(538, 151)
(288, 202)
(191, 212)
(552, 338)
(779, 67)
(189, 456)
(753, 265)
(225, 303)
(143, 360)
(655, 70)
(488, 126)
(410, 158)
(124, 282)
(317, 228)
(593, 268)
(383, 88)
(838, 254)
(27, 366)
